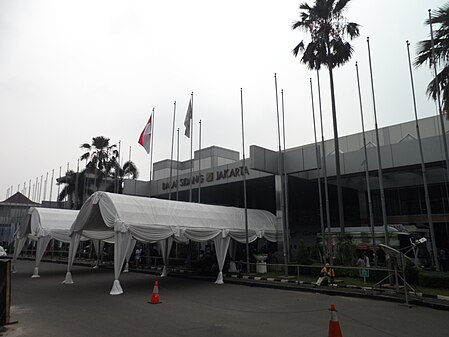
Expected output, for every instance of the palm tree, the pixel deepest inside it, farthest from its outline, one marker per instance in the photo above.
(101, 158)
(100, 153)
(328, 28)
(73, 190)
(440, 17)
(128, 171)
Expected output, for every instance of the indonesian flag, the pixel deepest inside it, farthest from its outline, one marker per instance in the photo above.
(145, 136)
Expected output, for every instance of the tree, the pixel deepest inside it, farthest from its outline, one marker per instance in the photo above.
(328, 28)
(440, 18)
(73, 190)
(100, 154)
(102, 166)
(101, 158)
(128, 171)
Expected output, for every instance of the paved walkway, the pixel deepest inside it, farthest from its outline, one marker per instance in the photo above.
(190, 307)
(427, 300)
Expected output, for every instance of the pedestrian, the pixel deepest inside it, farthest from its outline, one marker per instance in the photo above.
(327, 273)
(366, 258)
(361, 262)
(137, 256)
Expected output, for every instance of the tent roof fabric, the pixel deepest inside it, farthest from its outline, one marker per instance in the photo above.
(41, 221)
(44, 221)
(47, 222)
(122, 213)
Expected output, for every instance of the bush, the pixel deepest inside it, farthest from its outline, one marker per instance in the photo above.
(412, 275)
(345, 249)
(433, 279)
(303, 256)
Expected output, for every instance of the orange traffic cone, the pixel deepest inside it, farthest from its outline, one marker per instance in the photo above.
(334, 325)
(155, 296)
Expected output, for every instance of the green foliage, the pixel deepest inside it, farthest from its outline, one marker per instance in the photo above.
(315, 253)
(412, 275)
(303, 256)
(440, 22)
(346, 249)
(433, 279)
(328, 29)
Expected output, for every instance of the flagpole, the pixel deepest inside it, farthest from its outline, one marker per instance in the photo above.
(151, 155)
(45, 187)
(76, 183)
(191, 150)
(129, 154)
(121, 158)
(423, 166)
(368, 188)
(40, 188)
(379, 160)
(85, 185)
(437, 85)
(171, 154)
(118, 166)
(326, 189)
(284, 174)
(59, 185)
(35, 190)
(177, 167)
(285, 251)
(317, 152)
(51, 184)
(244, 186)
(199, 165)
(29, 189)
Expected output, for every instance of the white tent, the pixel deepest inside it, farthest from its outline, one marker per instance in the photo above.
(42, 225)
(156, 220)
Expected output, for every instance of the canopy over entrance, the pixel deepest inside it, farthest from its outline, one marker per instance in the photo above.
(157, 220)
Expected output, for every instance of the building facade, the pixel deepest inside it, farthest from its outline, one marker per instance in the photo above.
(217, 178)
(12, 211)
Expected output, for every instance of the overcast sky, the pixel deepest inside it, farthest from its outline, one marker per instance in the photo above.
(73, 70)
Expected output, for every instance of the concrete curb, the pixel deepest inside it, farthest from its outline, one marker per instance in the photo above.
(343, 290)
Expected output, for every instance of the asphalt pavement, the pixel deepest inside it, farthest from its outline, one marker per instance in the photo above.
(194, 307)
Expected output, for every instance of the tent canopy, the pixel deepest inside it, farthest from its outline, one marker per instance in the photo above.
(150, 219)
(52, 222)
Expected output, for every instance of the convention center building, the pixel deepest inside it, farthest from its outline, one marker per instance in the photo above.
(217, 178)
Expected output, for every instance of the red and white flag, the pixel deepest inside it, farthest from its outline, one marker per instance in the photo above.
(145, 136)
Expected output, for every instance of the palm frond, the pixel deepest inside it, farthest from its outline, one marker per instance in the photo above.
(352, 29)
(63, 194)
(340, 6)
(341, 52)
(299, 48)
